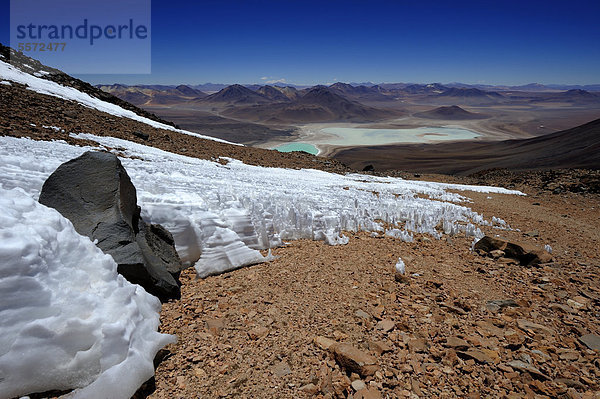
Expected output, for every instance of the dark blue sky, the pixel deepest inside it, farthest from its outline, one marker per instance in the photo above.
(308, 42)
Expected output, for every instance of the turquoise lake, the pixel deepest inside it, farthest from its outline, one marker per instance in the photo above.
(358, 136)
(350, 136)
(311, 149)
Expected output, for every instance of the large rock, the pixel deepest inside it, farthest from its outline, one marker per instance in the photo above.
(95, 193)
(525, 254)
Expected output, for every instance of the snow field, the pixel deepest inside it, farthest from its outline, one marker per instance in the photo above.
(221, 215)
(67, 319)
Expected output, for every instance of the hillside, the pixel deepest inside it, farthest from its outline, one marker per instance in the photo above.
(453, 112)
(272, 93)
(147, 95)
(318, 104)
(578, 147)
(235, 95)
(575, 96)
(31, 66)
(361, 92)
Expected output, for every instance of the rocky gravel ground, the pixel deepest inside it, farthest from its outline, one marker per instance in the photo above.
(333, 322)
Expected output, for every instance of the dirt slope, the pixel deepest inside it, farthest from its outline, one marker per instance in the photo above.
(578, 147)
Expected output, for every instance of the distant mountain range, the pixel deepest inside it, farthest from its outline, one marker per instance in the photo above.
(318, 104)
(455, 93)
(407, 87)
(342, 101)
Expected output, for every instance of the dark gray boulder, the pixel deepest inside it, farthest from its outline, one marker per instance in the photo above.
(95, 193)
(525, 254)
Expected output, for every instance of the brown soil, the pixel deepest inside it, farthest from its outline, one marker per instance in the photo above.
(249, 333)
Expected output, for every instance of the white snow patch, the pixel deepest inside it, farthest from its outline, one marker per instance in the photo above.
(548, 248)
(400, 234)
(55, 128)
(228, 212)
(400, 266)
(43, 86)
(67, 319)
(5, 83)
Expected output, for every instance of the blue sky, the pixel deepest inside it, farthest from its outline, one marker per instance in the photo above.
(309, 42)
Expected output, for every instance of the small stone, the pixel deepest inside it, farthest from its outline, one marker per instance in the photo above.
(557, 307)
(282, 369)
(453, 309)
(497, 253)
(417, 345)
(353, 359)
(502, 303)
(323, 343)
(200, 373)
(569, 383)
(181, 382)
(258, 332)
(309, 388)
(578, 303)
(358, 385)
(386, 325)
(361, 314)
(524, 367)
(379, 347)
(456, 343)
(526, 325)
(215, 326)
(378, 311)
(475, 354)
(592, 341)
(568, 355)
(492, 354)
